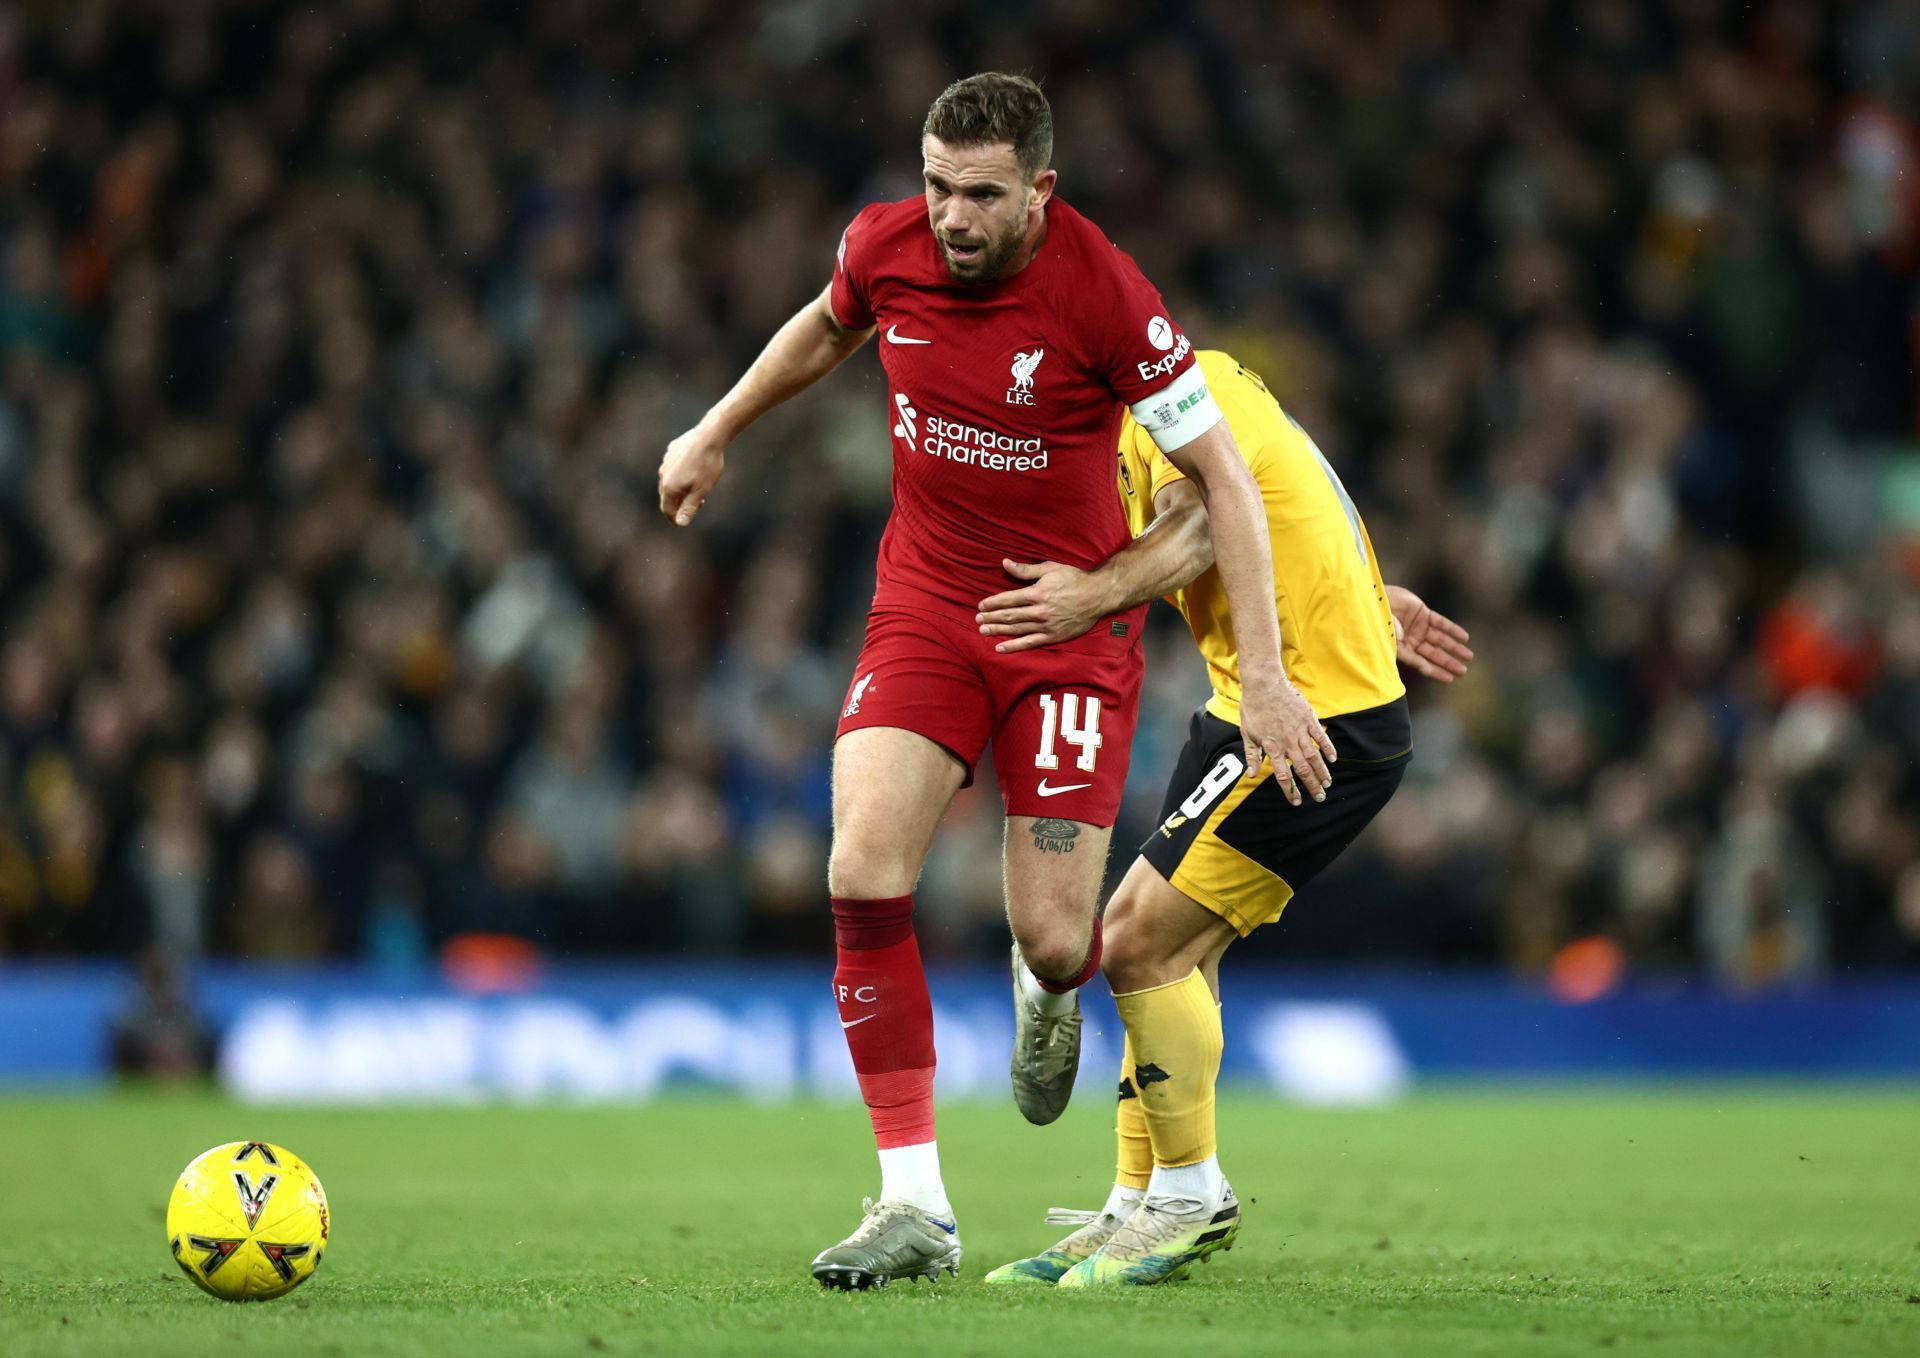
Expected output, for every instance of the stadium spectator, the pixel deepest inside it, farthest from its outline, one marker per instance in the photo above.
(338, 344)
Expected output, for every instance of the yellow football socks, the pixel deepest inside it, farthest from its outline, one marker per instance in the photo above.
(1135, 1165)
(1174, 1044)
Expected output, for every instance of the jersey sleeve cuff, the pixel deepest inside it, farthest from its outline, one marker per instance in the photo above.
(1179, 412)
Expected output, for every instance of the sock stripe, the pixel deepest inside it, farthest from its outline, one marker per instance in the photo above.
(864, 925)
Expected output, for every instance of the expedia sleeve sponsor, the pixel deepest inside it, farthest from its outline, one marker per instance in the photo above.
(1166, 363)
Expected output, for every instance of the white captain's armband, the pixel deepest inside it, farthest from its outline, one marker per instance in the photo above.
(1179, 412)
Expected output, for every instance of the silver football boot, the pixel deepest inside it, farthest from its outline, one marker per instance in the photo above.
(896, 1240)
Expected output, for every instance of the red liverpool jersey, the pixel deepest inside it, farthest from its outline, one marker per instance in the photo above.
(1005, 398)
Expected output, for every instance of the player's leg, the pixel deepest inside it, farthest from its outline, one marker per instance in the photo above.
(1160, 944)
(1133, 1145)
(1054, 869)
(1162, 948)
(915, 719)
(1225, 860)
(890, 788)
(1164, 1119)
(1061, 751)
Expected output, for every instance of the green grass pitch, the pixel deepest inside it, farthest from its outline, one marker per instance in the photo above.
(1727, 1220)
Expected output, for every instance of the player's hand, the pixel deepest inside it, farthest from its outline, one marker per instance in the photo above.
(687, 473)
(1061, 604)
(1429, 642)
(1279, 727)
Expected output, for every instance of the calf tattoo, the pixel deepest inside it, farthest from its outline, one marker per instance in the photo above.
(1055, 836)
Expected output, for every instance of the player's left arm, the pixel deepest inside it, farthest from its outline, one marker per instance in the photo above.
(1277, 723)
(1063, 602)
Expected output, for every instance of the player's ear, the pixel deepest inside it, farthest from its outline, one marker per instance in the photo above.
(1041, 188)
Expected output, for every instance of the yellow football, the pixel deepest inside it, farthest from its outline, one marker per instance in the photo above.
(248, 1221)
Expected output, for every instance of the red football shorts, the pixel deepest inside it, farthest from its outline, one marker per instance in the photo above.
(1061, 718)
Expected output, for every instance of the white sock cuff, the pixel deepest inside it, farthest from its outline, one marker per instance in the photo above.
(1201, 1180)
(1123, 1199)
(912, 1174)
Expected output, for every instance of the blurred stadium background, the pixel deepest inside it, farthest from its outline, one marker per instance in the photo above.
(363, 730)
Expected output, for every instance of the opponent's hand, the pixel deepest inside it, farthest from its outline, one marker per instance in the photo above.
(1279, 727)
(1429, 642)
(1061, 604)
(687, 473)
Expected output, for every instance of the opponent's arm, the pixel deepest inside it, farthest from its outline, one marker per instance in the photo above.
(1429, 642)
(1276, 722)
(1063, 602)
(808, 347)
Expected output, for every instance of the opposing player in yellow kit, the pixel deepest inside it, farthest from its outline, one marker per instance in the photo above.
(1233, 846)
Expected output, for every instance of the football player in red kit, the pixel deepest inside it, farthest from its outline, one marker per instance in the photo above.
(1013, 332)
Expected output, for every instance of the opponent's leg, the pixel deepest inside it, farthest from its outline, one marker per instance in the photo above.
(1159, 941)
(1054, 869)
(1133, 1165)
(1157, 944)
(890, 788)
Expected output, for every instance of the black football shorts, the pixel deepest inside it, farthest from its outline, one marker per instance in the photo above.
(1236, 845)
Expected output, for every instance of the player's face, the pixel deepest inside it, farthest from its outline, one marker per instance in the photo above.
(983, 210)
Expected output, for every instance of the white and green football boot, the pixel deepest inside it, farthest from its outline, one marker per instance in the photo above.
(1163, 1238)
(896, 1240)
(1046, 1267)
(1046, 1054)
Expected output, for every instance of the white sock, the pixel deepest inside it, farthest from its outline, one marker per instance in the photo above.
(1046, 1001)
(912, 1174)
(1201, 1181)
(1122, 1201)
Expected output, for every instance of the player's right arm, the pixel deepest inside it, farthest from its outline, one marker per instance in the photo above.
(804, 350)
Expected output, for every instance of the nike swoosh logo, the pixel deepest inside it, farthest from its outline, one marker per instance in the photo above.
(857, 1022)
(895, 337)
(1046, 791)
(950, 1227)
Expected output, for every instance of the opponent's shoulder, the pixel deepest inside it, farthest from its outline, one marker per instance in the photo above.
(1227, 374)
(1255, 418)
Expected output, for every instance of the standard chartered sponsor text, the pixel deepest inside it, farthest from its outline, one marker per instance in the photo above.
(986, 448)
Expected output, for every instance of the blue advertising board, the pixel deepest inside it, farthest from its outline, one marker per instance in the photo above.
(347, 1034)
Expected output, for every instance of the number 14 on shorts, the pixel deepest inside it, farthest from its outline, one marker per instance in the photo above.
(1060, 718)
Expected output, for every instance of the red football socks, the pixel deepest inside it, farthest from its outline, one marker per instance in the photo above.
(881, 989)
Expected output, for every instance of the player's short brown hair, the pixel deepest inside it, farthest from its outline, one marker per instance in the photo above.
(995, 108)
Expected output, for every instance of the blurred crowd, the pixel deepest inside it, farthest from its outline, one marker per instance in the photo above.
(340, 340)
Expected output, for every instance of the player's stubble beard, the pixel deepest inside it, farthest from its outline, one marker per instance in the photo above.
(996, 260)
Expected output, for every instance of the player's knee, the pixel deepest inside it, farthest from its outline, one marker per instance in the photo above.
(864, 873)
(1051, 951)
